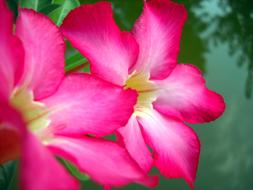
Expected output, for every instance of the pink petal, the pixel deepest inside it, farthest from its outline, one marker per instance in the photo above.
(9, 144)
(44, 52)
(11, 52)
(135, 144)
(6, 19)
(40, 170)
(9, 134)
(175, 145)
(87, 105)
(104, 161)
(184, 94)
(158, 32)
(92, 30)
(11, 129)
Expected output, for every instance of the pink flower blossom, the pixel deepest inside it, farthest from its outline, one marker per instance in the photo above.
(44, 112)
(169, 94)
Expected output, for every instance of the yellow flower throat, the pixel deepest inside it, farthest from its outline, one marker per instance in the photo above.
(146, 91)
(34, 113)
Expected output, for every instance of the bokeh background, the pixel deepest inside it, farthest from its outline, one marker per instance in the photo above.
(218, 38)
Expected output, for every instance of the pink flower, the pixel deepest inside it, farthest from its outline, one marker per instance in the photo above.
(45, 112)
(169, 94)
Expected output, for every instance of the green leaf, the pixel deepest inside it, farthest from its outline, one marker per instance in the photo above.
(57, 15)
(74, 171)
(49, 8)
(74, 59)
(126, 12)
(8, 176)
(36, 5)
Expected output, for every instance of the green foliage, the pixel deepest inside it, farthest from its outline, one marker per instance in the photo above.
(65, 6)
(55, 9)
(8, 176)
(74, 59)
(35, 4)
(126, 12)
(73, 170)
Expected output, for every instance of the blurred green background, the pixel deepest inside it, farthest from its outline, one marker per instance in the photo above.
(218, 38)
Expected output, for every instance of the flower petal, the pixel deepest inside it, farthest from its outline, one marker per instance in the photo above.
(176, 146)
(6, 20)
(93, 31)
(104, 161)
(85, 104)
(40, 170)
(44, 52)
(11, 128)
(184, 94)
(9, 144)
(11, 52)
(158, 32)
(133, 140)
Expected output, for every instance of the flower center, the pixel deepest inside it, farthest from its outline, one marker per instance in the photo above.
(34, 113)
(146, 90)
